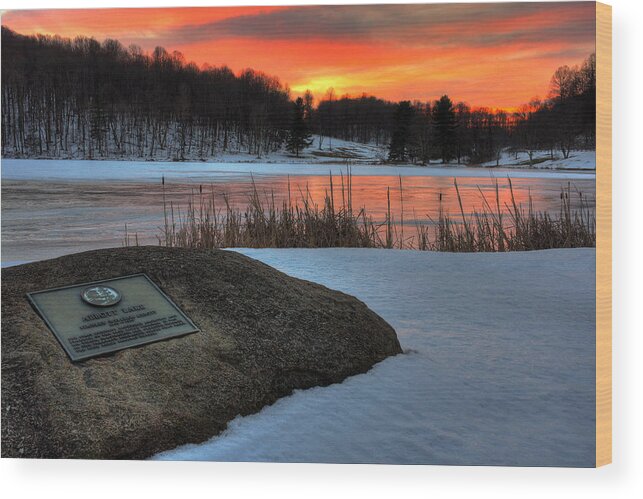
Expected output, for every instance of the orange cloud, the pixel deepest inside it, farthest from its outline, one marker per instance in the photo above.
(495, 55)
(119, 23)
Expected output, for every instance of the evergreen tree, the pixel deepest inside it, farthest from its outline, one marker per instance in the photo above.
(445, 126)
(401, 137)
(299, 136)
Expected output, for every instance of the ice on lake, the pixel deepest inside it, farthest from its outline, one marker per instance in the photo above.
(51, 208)
(152, 171)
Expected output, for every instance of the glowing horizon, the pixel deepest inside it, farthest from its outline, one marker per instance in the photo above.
(488, 55)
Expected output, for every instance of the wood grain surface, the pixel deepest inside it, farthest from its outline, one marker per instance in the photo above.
(604, 234)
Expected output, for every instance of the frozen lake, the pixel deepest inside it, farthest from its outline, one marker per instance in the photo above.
(151, 171)
(51, 208)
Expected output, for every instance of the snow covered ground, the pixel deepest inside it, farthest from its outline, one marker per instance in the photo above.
(152, 171)
(578, 160)
(333, 150)
(498, 369)
(337, 152)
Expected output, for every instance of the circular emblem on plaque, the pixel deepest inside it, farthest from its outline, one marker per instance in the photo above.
(100, 296)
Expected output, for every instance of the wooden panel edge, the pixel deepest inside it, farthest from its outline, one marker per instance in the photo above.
(603, 234)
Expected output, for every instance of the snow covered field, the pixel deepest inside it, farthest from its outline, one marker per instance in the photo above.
(367, 159)
(498, 369)
(578, 160)
(333, 150)
(152, 171)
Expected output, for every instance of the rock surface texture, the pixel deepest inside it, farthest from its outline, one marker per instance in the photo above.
(263, 334)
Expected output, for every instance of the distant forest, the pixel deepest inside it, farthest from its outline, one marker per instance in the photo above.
(80, 98)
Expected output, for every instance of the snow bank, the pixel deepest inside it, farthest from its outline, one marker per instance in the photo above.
(499, 368)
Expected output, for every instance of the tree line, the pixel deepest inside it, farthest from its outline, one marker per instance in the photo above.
(82, 98)
(85, 99)
(442, 130)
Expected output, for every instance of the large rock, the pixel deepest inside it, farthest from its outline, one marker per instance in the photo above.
(263, 334)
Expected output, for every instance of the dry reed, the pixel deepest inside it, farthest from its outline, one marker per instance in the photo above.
(302, 223)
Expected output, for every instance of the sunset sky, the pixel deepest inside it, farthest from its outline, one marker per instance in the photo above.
(495, 55)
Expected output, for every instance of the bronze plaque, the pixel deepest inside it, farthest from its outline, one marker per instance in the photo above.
(100, 317)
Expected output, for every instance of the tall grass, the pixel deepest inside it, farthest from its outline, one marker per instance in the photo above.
(210, 221)
(516, 228)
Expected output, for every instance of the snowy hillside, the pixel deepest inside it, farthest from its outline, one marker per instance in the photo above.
(331, 151)
(578, 160)
(319, 152)
(498, 369)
